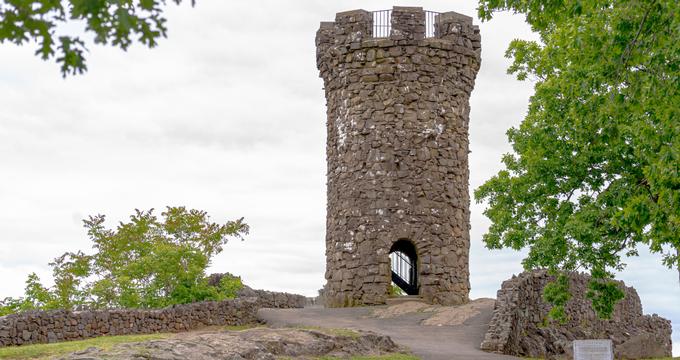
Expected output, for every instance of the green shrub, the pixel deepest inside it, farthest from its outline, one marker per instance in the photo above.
(144, 263)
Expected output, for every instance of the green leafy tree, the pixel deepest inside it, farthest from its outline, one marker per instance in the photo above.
(595, 167)
(36, 297)
(69, 272)
(11, 305)
(117, 22)
(143, 263)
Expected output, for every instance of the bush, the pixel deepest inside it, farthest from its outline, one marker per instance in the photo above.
(144, 263)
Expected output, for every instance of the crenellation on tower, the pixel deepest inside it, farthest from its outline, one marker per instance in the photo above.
(353, 26)
(397, 154)
(408, 23)
(459, 30)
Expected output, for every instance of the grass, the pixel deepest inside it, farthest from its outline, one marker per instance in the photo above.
(42, 351)
(667, 358)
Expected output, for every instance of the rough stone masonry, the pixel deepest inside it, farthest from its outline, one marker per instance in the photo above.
(520, 324)
(397, 151)
(33, 327)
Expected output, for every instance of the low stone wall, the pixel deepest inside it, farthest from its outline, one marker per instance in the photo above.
(60, 325)
(518, 325)
(266, 299)
(275, 300)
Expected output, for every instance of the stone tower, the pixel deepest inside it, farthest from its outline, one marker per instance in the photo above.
(397, 152)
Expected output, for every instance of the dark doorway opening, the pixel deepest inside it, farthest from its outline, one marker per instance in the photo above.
(404, 262)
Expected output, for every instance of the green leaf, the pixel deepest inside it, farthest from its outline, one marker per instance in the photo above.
(595, 167)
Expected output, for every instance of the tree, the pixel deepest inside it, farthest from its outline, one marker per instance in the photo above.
(144, 263)
(595, 167)
(37, 297)
(110, 21)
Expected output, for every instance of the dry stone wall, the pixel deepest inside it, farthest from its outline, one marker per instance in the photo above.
(519, 324)
(265, 299)
(34, 327)
(61, 325)
(397, 152)
(274, 300)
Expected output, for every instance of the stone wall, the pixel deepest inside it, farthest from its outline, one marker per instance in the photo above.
(518, 325)
(51, 326)
(274, 300)
(60, 325)
(265, 299)
(397, 152)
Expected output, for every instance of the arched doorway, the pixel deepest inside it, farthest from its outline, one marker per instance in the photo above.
(404, 261)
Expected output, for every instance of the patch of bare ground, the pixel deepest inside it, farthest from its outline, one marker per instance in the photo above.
(441, 315)
(403, 324)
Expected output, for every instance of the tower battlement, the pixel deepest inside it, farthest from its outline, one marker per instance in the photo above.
(397, 85)
(400, 26)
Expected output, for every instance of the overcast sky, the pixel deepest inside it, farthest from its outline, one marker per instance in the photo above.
(226, 115)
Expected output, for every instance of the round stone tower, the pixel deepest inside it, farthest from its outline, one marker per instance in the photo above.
(397, 93)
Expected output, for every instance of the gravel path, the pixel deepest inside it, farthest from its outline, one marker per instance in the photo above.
(444, 342)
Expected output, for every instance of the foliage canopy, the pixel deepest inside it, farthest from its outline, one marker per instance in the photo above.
(595, 167)
(143, 263)
(110, 21)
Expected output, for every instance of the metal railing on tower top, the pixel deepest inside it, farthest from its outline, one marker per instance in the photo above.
(382, 23)
(430, 17)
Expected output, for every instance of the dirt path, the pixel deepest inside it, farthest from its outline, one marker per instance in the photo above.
(455, 334)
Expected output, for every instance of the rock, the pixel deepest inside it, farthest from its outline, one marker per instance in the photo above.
(520, 325)
(457, 315)
(89, 350)
(258, 343)
(642, 346)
